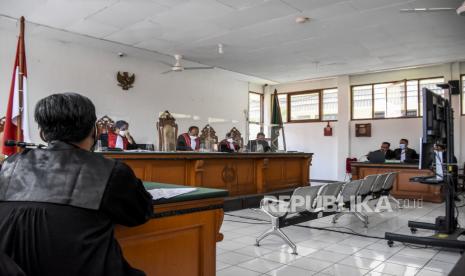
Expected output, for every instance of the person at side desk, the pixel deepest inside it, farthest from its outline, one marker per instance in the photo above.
(189, 141)
(385, 149)
(259, 144)
(120, 137)
(59, 205)
(404, 153)
(228, 144)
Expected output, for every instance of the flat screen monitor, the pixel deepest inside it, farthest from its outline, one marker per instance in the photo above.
(435, 109)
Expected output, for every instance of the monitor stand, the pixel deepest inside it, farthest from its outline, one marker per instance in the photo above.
(447, 234)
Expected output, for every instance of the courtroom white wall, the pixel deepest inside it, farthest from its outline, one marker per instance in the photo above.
(309, 136)
(56, 67)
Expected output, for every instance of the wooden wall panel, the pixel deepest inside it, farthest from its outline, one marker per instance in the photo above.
(403, 188)
(240, 174)
(174, 245)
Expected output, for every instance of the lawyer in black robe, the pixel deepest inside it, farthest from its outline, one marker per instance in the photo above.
(58, 206)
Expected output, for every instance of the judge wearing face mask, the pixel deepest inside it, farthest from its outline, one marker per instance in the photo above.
(189, 141)
(404, 153)
(228, 144)
(120, 137)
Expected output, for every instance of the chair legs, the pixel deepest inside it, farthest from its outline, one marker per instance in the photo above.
(362, 217)
(390, 197)
(275, 230)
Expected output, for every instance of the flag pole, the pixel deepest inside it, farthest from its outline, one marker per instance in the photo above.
(20, 80)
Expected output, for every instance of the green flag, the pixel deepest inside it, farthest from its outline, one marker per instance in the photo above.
(276, 122)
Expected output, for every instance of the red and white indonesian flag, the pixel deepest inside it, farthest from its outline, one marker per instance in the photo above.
(17, 113)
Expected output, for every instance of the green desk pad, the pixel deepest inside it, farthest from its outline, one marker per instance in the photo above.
(200, 193)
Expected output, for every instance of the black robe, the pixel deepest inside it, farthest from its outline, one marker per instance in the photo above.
(55, 238)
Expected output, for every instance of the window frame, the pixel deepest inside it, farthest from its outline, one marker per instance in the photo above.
(320, 105)
(261, 109)
(462, 96)
(373, 98)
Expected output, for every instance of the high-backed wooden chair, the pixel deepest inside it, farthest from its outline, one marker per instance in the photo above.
(208, 138)
(2, 126)
(167, 132)
(104, 125)
(237, 137)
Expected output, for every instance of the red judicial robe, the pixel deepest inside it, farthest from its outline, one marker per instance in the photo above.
(112, 140)
(184, 143)
(225, 146)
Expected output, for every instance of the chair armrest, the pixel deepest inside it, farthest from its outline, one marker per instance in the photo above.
(266, 203)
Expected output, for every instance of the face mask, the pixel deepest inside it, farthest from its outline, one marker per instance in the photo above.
(402, 146)
(122, 132)
(230, 140)
(193, 137)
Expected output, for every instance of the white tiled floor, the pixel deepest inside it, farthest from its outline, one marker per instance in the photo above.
(328, 253)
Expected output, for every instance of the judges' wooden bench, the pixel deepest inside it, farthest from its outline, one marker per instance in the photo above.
(181, 237)
(403, 188)
(239, 173)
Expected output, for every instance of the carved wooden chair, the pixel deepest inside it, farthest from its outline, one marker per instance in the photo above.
(2, 127)
(104, 125)
(208, 138)
(237, 137)
(167, 132)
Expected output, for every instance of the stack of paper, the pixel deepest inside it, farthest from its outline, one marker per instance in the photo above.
(169, 192)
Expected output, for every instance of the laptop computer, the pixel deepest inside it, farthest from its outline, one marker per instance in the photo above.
(376, 157)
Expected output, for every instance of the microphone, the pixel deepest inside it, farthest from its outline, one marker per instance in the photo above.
(13, 143)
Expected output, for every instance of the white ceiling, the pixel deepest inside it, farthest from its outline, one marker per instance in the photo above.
(260, 37)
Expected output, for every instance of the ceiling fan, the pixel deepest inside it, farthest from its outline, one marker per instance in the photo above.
(460, 10)
(177, 67)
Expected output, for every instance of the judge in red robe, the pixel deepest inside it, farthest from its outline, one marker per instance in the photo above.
(228, 144)
(189, 141)
(120, 137)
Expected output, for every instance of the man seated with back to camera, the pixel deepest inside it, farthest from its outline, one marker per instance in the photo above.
(59, 205)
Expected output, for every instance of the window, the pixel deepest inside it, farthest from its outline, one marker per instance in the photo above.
(463, 94)
(304, 107)
(362, 102)
(282, 98)
(330, 104)
(391, 100)
(315, 106)
(255, 114)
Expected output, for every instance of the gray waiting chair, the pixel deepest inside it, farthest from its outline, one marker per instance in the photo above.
(387, 187)
(306, 203)
(351, 195)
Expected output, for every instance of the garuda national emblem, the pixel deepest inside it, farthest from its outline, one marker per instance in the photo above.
(125, 80)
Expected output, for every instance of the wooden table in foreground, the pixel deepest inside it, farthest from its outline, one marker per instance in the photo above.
(181, 238)
(239, 173)
(403, 188)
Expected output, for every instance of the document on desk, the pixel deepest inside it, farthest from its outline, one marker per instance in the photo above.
(169, 192)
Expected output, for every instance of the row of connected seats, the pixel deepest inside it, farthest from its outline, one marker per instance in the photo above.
(308, 203)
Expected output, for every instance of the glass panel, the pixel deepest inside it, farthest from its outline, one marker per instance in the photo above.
(283, 105)
(412, 98)
(395, 100)
(463, 94)
(431, 85)
(362, 102)
(255, 106)
(305, 107)
(253, 130)
(330, 104)
(380, 91)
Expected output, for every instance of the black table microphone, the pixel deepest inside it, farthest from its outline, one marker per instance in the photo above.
(13, 143)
